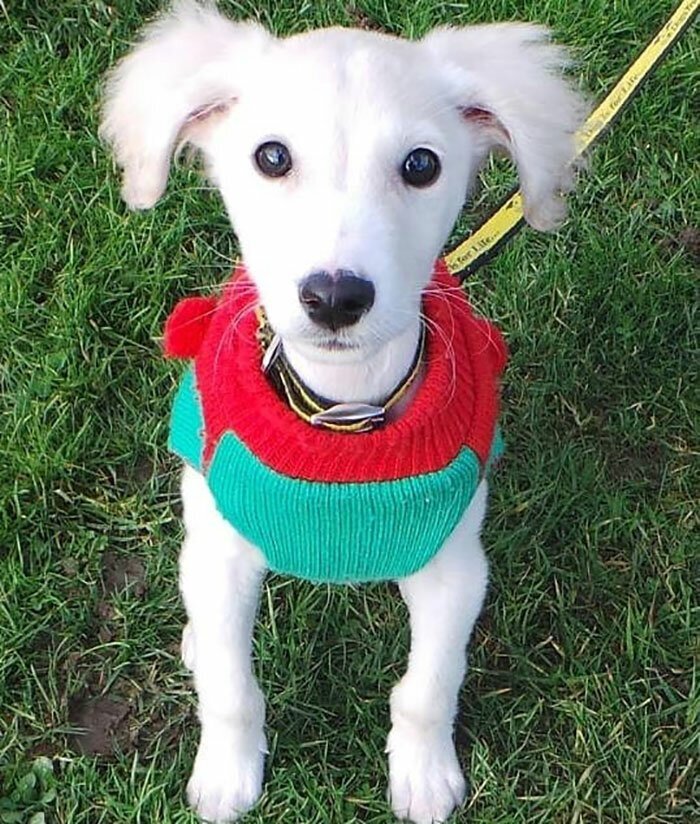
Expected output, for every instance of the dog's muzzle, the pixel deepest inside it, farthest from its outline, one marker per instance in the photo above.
(336, 300)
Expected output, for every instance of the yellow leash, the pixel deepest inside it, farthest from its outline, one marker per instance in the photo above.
(490, 236)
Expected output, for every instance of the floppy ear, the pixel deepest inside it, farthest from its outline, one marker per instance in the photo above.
(509, 85)
(169, 88)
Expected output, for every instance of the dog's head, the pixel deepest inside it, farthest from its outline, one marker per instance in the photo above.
(343, 156)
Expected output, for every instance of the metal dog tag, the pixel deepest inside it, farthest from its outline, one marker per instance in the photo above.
(350, 413)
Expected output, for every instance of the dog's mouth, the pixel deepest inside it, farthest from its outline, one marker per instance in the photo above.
(335, 345)
(325, 340)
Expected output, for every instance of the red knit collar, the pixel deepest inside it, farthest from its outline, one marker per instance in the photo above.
(455, 406)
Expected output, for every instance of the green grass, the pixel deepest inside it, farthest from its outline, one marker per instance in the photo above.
(581, 703)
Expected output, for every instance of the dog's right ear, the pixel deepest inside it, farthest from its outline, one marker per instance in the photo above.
(511, 89)
(169, 88)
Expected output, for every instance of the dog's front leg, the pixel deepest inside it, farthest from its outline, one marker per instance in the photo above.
(444, 600)
(220, 578)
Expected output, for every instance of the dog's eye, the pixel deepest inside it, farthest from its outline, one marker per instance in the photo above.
(273, 159)
(420, 168)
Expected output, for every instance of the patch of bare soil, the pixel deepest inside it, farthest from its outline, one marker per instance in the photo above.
(647, 463)
(361, 20)
(123, 572)
(101, 724)
(688, 239)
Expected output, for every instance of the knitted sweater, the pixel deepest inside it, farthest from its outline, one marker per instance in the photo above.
(330, 506)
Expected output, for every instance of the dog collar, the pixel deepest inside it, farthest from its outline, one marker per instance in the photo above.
(315, 409)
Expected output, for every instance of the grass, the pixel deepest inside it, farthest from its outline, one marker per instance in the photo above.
(581, 703)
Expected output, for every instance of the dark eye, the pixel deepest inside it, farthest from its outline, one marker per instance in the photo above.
(273, 159)
(420, 168)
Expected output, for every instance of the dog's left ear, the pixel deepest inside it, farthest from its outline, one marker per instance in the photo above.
(507, 80)
(167, 91)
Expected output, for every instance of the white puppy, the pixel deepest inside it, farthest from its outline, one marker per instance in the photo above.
(338, 113)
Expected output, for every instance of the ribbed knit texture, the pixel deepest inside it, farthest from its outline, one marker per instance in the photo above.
(186, 423)
(337, 506)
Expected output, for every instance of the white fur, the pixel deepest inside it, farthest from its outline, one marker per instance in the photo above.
(220, 578)
(350, 105)
(444, 600)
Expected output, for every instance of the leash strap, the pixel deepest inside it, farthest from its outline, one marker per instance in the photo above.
(489, 237)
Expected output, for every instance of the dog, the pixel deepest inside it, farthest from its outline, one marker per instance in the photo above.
(343, 158)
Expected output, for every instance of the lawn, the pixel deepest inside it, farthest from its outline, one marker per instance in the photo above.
(581, 702)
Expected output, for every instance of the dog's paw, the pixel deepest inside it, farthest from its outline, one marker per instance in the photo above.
(226, 781)
(187, 647)
(425, 780)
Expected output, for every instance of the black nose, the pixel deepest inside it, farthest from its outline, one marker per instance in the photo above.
(336, 300)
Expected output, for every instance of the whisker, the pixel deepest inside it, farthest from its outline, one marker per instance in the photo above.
(231, 329)
(447, 338)
(435, 327)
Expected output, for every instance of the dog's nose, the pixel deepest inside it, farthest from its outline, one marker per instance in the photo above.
(336, 300)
